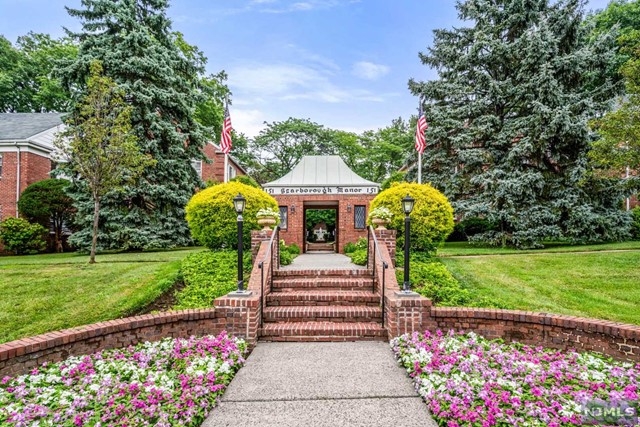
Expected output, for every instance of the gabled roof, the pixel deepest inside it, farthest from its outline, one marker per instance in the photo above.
(22, 126)
(317, 171)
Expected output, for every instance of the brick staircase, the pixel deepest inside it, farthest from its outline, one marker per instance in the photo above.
(322, 305)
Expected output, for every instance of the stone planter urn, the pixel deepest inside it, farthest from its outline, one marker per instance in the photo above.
(266, 222)
(380, 223)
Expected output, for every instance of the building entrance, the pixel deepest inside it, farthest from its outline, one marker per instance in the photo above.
(321, 231)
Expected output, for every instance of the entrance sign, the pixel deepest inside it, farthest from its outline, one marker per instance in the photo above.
(321, 190)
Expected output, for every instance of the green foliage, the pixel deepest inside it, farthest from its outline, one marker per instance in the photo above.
(246, 180)
(433, 280)
(208, 275)
(349, 248)
(508, 136)
(28, 78)
(285, 257)
(100, 145)
(212, 217)
(161, 75)
(470, 227)
(316, 216)
(293, 249)
(635, 225)
(431, 219)
(359, 256)
(21, 237)
(46, 202)
(288, 253)
(395, 176)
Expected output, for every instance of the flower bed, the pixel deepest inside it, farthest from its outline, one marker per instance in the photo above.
(467, 380)
(173, 382)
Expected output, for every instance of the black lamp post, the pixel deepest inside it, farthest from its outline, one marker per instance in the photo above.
(407, 207)
(239, 204)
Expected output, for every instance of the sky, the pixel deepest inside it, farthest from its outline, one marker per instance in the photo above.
(342, 63)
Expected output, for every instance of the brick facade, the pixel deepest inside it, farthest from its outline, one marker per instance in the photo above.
(214, 171)
(345, 224)
(33, 168)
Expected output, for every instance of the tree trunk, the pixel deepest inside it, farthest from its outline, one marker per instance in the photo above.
(94, 241)
(57, 224)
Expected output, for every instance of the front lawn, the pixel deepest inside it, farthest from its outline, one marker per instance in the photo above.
(42, 293)
(466, 249)
(604, 285)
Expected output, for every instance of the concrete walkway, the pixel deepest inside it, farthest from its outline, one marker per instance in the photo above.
(321, 384)
(321, 261)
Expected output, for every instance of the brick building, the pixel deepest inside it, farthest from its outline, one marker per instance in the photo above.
(323, 182)
(26, 147)
(214, 171)
(26, 144)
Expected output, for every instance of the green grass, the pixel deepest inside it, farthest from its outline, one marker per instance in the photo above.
(451, 249)
(604, 285)
(42, 293)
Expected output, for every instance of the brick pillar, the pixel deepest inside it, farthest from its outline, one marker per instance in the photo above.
(257, 237)
(241, 315)
(388, 238)
(407, 314)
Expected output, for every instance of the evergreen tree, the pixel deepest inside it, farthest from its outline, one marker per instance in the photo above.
(159, 76)
(508, 136)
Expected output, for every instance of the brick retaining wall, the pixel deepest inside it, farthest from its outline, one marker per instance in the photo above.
(618, 340)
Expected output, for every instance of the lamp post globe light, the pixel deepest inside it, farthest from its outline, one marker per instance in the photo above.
(239, 203)
(407, 207)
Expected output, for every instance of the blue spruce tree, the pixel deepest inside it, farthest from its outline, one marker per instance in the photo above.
(133, 41)
(509, 116)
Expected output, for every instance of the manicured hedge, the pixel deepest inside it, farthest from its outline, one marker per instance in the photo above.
(212, 217)
(431, 219)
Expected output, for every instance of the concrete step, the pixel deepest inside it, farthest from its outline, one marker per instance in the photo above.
(323, 298)
(335, 313)
(353, 283)
(323, 331)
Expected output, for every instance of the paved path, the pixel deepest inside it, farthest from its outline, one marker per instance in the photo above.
(321, 261)
(321, 384)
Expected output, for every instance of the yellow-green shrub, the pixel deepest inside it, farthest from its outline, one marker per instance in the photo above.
(212, 218)
(431, 219)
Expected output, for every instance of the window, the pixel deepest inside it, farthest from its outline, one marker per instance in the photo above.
(284, 217)
(197, 166)
(0, 165)
(232, 172)
(360, 216)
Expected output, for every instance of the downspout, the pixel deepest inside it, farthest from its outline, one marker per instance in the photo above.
(17, 178)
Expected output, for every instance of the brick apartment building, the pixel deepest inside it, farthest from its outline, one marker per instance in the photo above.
(26, 147)
(26, 144)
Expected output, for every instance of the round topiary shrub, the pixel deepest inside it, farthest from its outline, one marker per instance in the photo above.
(431, 219)
(212, 218)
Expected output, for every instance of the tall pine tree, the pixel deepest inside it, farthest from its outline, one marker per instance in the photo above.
(133, 41)
(508, 137)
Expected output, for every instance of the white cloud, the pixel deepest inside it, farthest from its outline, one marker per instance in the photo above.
(249, 122)
(369, 70)
(288, 82)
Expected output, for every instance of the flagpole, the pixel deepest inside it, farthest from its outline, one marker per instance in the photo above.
(226, 167)
(419, 168)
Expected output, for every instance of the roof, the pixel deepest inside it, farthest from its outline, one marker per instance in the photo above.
(314, 171)
(22, 126)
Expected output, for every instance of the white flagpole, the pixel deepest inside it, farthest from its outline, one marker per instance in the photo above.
(226, 167)
(419, 168)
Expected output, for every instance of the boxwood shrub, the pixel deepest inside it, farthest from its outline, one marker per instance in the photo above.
(212, 218)
(431, 219)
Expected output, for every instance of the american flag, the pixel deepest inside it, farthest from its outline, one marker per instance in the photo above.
(421, 126)
(225, 138)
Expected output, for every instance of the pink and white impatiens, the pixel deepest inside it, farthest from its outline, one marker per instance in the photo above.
(173, 382)
(467, 380)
